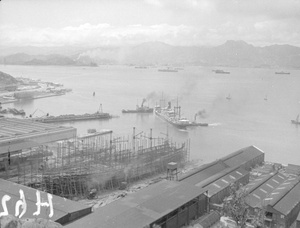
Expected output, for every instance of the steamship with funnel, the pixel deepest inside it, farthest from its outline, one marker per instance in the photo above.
(174, 117)
(139, 109)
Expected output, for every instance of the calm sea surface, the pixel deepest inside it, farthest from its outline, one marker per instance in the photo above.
(247, 119)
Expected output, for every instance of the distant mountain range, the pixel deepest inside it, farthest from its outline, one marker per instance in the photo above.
(231, 54)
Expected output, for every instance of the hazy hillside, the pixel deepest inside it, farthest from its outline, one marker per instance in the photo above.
(232, 53)
(6, 79)
(53, 59)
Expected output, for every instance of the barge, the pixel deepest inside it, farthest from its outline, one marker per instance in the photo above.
(72, 117)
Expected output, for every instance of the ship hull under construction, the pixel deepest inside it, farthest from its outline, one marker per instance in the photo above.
(73, 167)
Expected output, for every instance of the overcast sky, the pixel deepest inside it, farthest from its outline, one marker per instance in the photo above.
(175, 22)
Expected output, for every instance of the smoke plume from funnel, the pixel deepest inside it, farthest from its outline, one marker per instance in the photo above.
(201, 113)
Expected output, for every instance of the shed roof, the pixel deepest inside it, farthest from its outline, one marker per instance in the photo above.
(281, 191)
(18, 134)
(254, 184)
(255, 198)
(243, 155)
(141, 208)
(289, 200)
(225, 181)
(64, 210)
(205, 172)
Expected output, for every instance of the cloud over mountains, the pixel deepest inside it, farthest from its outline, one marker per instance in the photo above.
(176, 22)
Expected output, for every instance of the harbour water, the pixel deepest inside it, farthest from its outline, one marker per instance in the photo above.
(259, 112)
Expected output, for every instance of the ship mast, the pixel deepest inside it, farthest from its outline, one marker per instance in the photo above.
(177, 109)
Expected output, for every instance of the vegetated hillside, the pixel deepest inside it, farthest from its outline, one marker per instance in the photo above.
(231, 53)
(6, 79)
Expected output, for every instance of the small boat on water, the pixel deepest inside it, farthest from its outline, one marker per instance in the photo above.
(221, 72)
(139, 109)
(228, 97)
(281, 72)
(296, 121)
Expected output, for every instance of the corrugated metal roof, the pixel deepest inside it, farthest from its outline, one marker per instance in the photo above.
(256, 197)
(141, 208)
(62, 207)
(243, 155)
(289, 201)
(17, 134)
(225, 181)
(278, 193)
(258, 181)
(205, 173)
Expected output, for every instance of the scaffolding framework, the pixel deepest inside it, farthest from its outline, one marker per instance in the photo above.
(71, 168)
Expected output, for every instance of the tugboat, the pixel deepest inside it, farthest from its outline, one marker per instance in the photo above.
(139, 109)
(296, 121)
(174, 117)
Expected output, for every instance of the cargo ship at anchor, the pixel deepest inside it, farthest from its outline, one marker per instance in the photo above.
(139, 109)
(221, 72)
(173, 117)
(281, 72)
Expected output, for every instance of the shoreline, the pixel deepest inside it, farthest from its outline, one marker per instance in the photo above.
(3, 101)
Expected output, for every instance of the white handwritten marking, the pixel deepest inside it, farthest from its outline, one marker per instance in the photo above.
(21, 202)
(5, 198)
(40, 204)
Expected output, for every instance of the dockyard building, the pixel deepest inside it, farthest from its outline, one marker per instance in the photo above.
(220, 188)
(278, 196)
(164, 204)
(247, 158)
